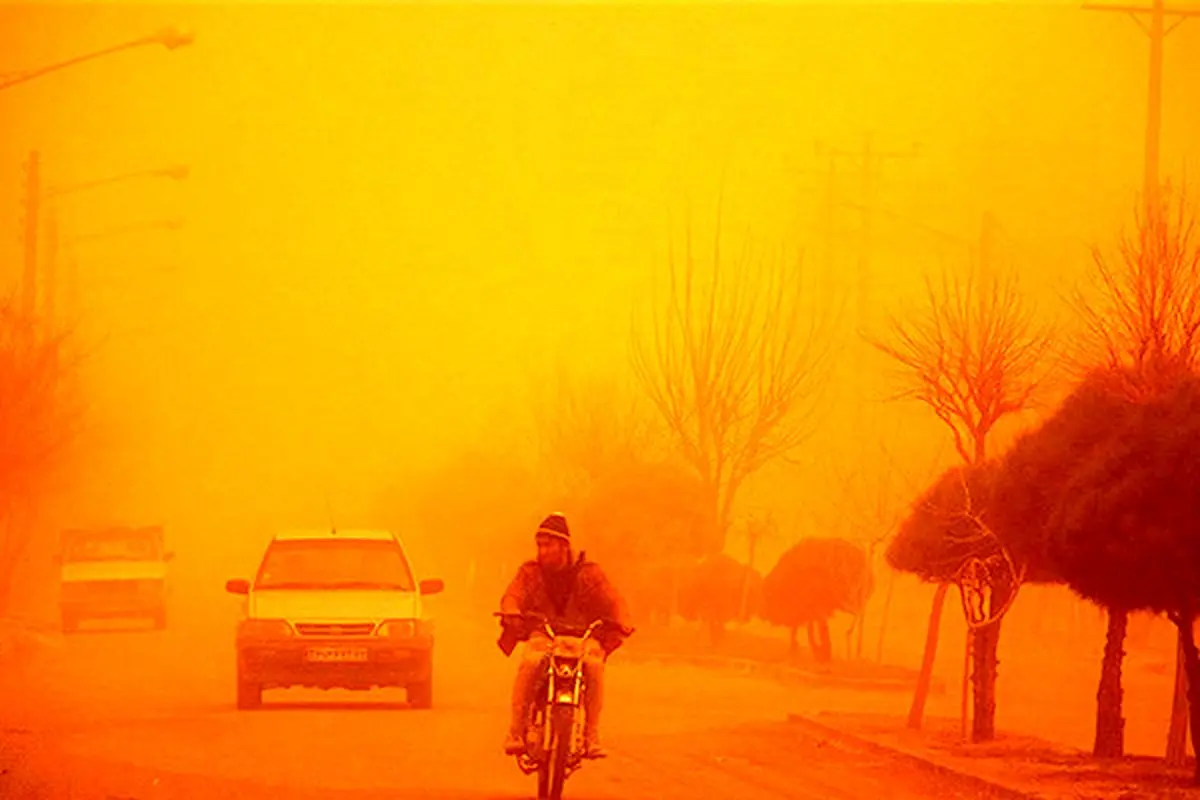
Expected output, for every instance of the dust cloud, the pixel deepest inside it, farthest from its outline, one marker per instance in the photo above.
(421, 267)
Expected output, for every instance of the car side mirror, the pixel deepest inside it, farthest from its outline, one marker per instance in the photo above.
(432, 586)
(237, 586)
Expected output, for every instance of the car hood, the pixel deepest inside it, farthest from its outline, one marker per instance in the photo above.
(333, 604)
(113, 571)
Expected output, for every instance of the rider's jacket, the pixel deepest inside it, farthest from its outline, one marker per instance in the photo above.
(587, 595)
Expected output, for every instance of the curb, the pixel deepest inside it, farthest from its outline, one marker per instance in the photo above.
(787, 673)
(987, 787)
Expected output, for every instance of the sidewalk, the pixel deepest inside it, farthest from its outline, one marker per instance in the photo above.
(786, 673)
(748, 652)
(1014, 766)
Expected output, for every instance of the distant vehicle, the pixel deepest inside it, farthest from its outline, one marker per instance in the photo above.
(116, 572)
(335, 610)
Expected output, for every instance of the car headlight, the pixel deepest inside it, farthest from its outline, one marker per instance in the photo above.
(264, 629)
(398, 629)
(405, 628)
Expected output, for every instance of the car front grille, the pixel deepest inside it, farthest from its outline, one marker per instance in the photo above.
(113, 589)
(335, 629)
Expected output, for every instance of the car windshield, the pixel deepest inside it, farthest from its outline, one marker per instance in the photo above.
(111, 546)
(334, 564)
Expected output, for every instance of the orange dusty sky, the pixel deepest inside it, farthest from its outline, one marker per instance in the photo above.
(400, 214)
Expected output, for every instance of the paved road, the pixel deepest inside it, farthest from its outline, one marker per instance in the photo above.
(140, 714)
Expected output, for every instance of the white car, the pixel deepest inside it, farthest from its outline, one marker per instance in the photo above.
(114, 572)
(335, 609)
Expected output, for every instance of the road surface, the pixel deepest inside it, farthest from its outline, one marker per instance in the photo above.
(149, 715)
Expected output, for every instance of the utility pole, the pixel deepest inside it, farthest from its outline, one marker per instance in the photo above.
(829, 224)
(50, 265)
(33, 200)
(987, 244)
(1157, 31)
(870, 160)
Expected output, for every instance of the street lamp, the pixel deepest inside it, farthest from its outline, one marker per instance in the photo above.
(169, 37)
(170, 224)
(176, 172)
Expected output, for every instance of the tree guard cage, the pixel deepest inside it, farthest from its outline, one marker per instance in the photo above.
(977, 579)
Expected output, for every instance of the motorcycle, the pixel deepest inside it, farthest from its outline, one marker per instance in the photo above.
(554, 746)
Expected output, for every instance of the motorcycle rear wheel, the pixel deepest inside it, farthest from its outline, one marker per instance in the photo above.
(554, 769)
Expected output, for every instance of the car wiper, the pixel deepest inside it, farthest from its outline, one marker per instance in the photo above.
(363, 585)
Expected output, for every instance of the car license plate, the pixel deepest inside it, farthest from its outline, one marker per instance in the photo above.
(336, 654)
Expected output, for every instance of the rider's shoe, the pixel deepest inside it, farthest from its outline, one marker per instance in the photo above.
(514, 745)
(593, 749)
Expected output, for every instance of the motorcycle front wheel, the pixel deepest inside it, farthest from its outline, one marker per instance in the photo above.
(554, 768)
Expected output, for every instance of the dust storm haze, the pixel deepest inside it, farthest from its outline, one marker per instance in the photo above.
(411, 269)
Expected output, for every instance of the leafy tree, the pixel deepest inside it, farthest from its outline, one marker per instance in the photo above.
(1126, 533)
(950, 537)
(974, 355)
(1141, 321)
(1033, 482)
(712, 593)
(812, 580)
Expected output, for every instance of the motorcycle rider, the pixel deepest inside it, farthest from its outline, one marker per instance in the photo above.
(574, 592)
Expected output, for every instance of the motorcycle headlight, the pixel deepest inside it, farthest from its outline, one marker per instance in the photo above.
(264, 629)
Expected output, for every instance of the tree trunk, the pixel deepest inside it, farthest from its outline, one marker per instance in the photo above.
(826, 655)
(1177, 732)
(8, 575)
(917, 711)
(818, 641)
(716, 632)
(1191, 663)
(673, 600)
(1110, 724)
(744, 604)
(883, 617)
(984, 654)
(985, 651)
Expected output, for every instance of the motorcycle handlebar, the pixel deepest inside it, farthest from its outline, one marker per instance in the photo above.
(562, 630)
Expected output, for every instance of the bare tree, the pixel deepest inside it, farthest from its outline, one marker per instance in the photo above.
(1141, 319)
(734, 366)
(584, 425)
(869, 499)
(757, 530)
(1141, 316)
(974, 355)
(39, 418)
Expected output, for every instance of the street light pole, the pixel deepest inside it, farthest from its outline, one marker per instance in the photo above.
(33, 201)
(170, 38)
(174, 171)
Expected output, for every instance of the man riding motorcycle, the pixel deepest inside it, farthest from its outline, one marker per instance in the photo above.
(574, 592)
